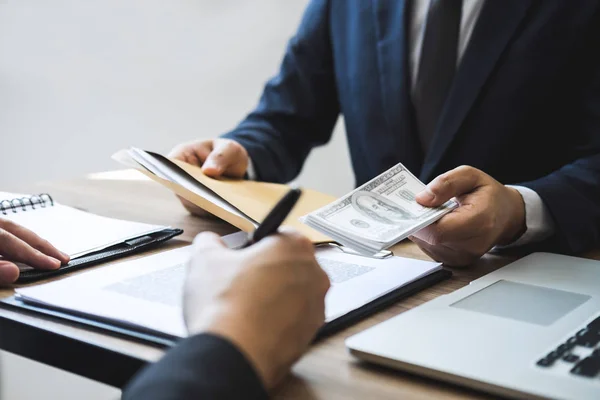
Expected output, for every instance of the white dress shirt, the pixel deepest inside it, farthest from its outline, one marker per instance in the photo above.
(538, 221)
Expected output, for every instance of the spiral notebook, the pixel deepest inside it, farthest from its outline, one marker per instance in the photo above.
(88, 238)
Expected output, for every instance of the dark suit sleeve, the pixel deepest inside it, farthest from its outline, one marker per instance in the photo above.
(298, 108)
(200, 367)
(572, 193)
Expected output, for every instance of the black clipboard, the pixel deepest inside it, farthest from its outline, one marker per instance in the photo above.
(126, 248)
(162, 340)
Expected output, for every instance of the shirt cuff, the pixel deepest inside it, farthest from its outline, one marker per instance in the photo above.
(539, 223)
(251, 171)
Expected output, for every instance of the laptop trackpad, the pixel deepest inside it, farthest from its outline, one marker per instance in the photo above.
(522, 302)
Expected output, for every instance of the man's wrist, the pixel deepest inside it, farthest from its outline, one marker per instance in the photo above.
(517, 224)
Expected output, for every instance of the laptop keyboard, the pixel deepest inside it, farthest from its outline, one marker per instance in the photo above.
(579, 354)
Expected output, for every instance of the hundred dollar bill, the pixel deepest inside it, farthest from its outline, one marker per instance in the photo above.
(378, 214)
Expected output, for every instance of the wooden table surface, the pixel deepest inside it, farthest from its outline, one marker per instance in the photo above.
(327, 371)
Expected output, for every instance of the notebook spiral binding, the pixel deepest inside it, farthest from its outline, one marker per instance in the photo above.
(26, 203)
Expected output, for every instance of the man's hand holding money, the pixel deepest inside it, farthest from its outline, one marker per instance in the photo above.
(489, 214)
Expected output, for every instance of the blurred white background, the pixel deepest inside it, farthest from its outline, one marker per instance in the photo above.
(82, 79)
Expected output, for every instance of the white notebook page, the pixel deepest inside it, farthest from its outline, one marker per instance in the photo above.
(73, 231)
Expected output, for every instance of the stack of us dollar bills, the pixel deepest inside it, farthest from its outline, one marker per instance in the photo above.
(379, 214)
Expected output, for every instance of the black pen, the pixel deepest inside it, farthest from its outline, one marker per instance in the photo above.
(275, 217)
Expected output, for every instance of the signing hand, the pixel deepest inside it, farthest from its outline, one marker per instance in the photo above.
(18, 244)
(489, 214)
(268, 299)
(217, 157)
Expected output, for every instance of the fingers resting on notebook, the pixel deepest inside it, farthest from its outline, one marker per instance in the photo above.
(18, 244)
(253, 298)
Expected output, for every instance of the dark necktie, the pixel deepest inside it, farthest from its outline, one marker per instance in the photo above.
(436, 66)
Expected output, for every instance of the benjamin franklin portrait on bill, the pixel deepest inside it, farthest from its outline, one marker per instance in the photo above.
(380, 209)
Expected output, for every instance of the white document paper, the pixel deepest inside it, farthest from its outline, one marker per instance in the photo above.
(73, 231)
(147, 292)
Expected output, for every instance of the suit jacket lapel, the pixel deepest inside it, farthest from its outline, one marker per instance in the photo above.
(497, 23)
(392, 19)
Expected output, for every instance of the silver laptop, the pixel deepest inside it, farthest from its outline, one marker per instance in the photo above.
(528, 330)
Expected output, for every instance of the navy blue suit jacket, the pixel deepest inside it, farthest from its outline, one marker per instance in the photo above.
(200, 367)
(524, 106)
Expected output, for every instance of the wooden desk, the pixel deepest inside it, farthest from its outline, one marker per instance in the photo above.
(327, 371)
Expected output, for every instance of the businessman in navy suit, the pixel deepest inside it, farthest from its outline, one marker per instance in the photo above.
(521, 107)
(510, 89)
